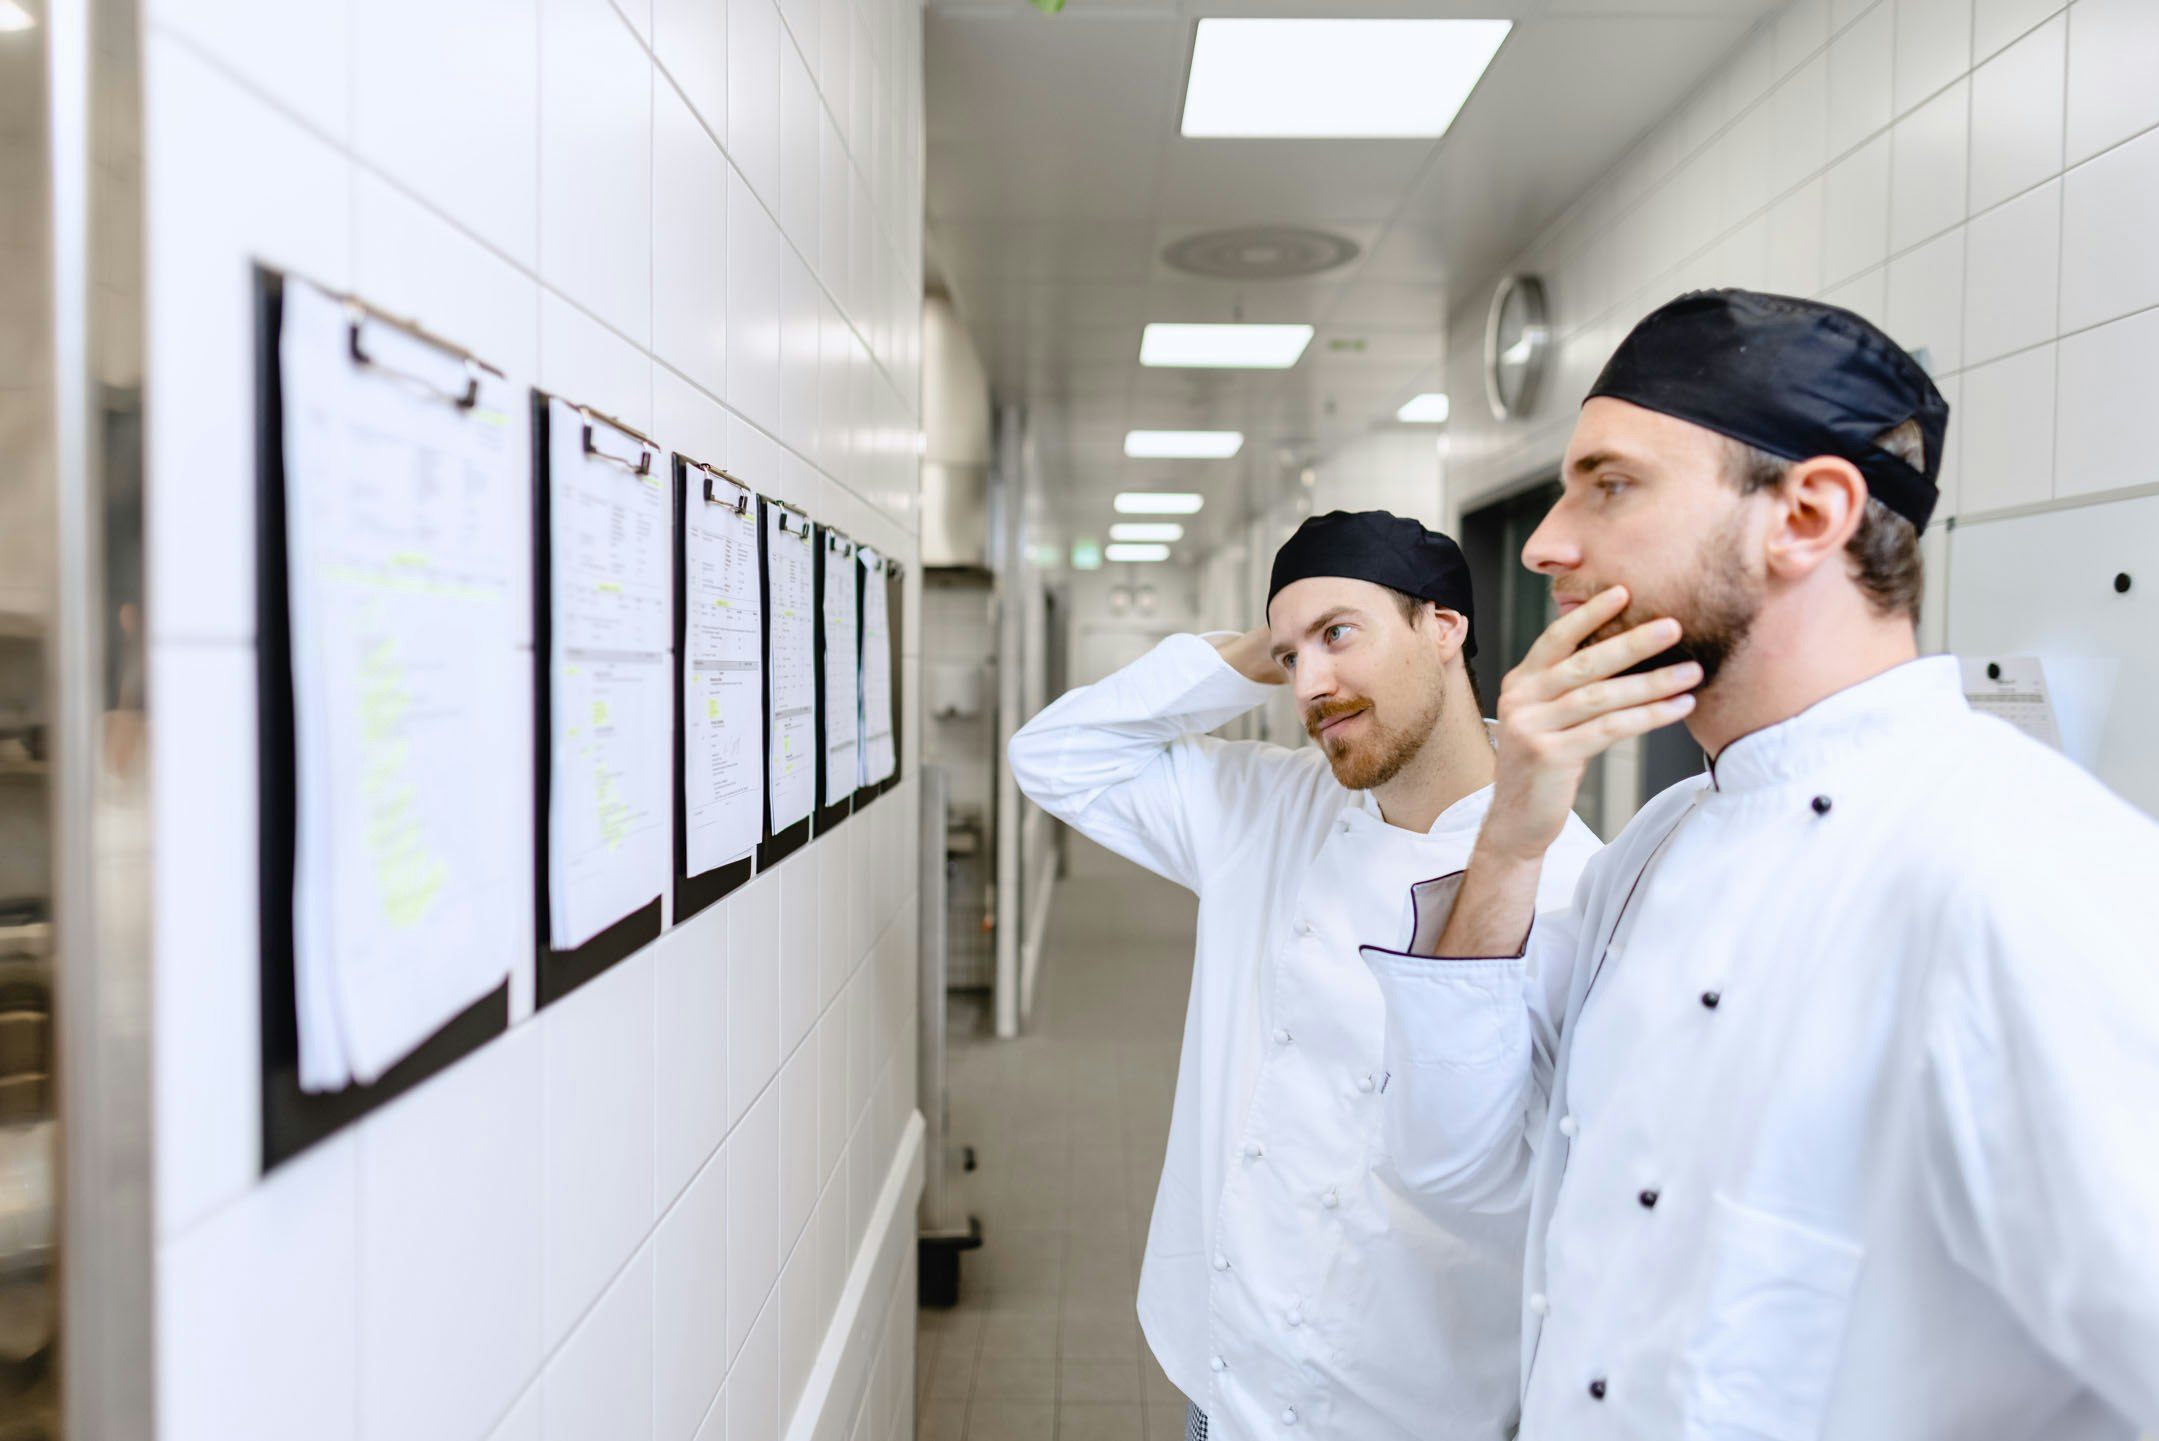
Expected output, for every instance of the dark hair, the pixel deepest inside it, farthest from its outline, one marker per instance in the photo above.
(1415, 606)
(1883, 554)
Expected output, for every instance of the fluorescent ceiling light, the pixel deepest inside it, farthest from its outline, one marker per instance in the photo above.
(1158, 502)
(14, 17)
(1136, 553)
(1146, 530)
(1224, 347)
(1183, 444)
(1429, 408)
(1335, 79)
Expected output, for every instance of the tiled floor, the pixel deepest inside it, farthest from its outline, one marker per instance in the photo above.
(1068, 1125)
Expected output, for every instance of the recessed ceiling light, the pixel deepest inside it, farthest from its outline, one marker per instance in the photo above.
(1224, 347)
(1136, 553)
(1183, 444)
(14, 17)
(1335, 79)
(1158, 502)
(1429, 408)
(1146, 530)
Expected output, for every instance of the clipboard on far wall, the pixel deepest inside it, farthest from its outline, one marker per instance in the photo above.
(836, 556)
(890, 577)
(696, 485)
(783, 524)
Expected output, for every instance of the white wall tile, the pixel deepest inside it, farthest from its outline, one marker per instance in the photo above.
(801, 19)
(2110, 210)
(1933, 47)
(799, 1179)
(836, 58)
(1795, 242)
(753, 304)
(639, 13)
(1859, 78)
(715, 1423)
(450, 1249)
(598, 1103)
(832, 1118)
(2007, 432)
(257, 1333)
(1855, 212)
(753, 1386)
(689, 244)
(1928, 159)
(207, 221)
(584, 362)
(2109, 378)
(523, 1422)
(1926, 300)
(802, 122)
(833, 199)
(801, 1325)
(596, 163)
(801, 320)
(690, 41)
(690, 1304)
(801, 900)
(1749, 158)
(454, 117)
(2017, 116)
(1866, 295)
(753, 992)
(412, 262)
(752, 1158)
(277, 46)
(600, 1383)
(208, 993)
(691, 421)
(2011, 269)
(1801, 108)
(1802, 28)
(690, 1048)
(2113, 55)
(753, 93)
(1995, 23)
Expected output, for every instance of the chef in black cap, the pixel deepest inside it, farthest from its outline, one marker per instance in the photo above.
(1285, 1283)
(1832, 1093)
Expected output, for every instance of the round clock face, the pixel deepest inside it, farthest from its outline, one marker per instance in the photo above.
(1516, 339)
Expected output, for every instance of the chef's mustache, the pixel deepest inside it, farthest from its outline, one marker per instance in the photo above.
(1320, 712)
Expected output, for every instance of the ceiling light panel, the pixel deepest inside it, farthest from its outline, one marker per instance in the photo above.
(1158, 502)
(1156, 530)
(1335, 79)
(1429, 408)
(1224, 347)
(1183, 444)
(1136, 554)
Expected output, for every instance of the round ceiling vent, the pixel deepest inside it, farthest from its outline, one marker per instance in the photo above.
(1262, 252)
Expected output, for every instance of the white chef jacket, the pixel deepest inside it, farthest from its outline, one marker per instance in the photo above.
(1285, 1289)
(1843, 1126)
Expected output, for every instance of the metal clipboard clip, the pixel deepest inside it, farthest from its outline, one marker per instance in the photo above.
(839, 544)
(462, 392)
(793, 520)
(639, 465)
(740, 504)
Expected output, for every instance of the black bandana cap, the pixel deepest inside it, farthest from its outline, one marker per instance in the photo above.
(1389, 550)
(1795, 378)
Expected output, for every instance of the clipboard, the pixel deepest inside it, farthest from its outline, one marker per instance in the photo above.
(699, 484)
(833, 547)
(895, 607)
(780, 844)
(294, 1119)
(561, 972)
(888, 575)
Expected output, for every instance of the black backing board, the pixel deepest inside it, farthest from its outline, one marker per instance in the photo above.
(560, 972)
(294, 1119)
(895, 598)
(829, 816)
(694, 893)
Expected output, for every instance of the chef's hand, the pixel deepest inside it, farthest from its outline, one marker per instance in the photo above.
(1252, 654)
(1564, 706)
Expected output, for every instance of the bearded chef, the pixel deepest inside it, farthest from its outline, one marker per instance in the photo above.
(1287, 1291)
(1833, 1092)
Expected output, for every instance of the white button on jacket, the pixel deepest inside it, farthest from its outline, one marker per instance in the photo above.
(1410, 1321)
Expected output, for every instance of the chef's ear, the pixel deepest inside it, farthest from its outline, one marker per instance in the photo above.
(1452, 630)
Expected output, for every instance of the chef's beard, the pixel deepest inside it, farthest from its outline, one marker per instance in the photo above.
(1715, 617)
(1371, 761)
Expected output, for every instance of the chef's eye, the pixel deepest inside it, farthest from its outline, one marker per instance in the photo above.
(1611, 486)
(1289, 660)
(1334, 634)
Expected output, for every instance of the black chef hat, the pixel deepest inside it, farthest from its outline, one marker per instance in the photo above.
(1389, 550)
(1795, 378)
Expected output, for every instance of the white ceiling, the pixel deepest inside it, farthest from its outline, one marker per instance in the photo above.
(1057, 178)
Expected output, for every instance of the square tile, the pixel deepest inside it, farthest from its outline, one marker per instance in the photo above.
(1083, 1421)
(1016, 1378)
(799, 1179)
(1926, 301)
(1933, 47)
(690, 1115)
(600, 1382)
(2110, 208)
(2006, 432)
(2012, 262)
(998, 1419)
(1795, 242)
(752, 1159)
(1099, 1380)
(753, 991)
(584, 362)
(689, 1262)
(2106, 374)
(257, 1330)
(410, 261)
(689, 243)
(2113, 54)
(597, 1097)
(753, 303)
(1929, 151)
(800, 899)
(802, 1324)
(1801, 111)
(1855, 212)
(1859, 79)
(596, 163)
(277, 47)
(802, 120)
(753, 1385)
(753, 93)
(2017, 117)
(689, 39)
(1995, 23)
(832, 1118)
(801, 313)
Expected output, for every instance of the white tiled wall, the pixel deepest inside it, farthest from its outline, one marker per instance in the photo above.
(668, 1205)
(1981, 177)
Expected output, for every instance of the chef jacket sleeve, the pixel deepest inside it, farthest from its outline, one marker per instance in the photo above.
(1126, 760)
(2041, 1066)
(1471, 1045)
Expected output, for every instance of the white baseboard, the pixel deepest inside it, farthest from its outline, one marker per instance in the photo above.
(843, 1363)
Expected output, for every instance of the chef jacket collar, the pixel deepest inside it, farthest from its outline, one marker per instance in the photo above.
(1361, 810)
(1922, 692)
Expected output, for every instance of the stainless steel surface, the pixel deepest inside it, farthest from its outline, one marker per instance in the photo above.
(955, 441)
